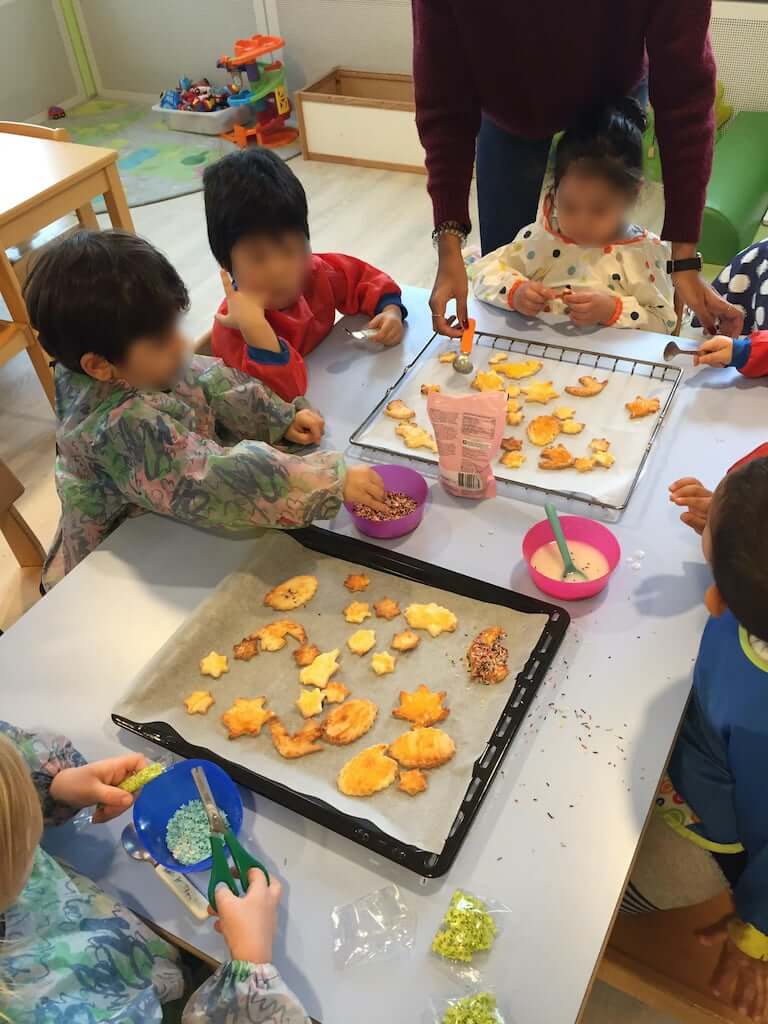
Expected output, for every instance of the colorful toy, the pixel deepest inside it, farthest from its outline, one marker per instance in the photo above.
(199, 96)
(264, 89)
(54, 113)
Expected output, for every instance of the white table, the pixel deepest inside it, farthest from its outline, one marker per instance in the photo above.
(557, 834)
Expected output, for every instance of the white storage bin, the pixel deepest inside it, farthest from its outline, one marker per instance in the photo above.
(204, 122)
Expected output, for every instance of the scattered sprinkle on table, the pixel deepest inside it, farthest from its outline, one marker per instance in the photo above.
(398, 505)
(187, 834)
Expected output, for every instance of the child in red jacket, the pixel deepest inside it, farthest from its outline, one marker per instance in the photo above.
(748, 355)
(281, 300)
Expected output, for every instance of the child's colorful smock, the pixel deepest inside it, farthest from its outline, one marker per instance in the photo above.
(199, 452)
(334, 282)
(72, 953)
(633, 269)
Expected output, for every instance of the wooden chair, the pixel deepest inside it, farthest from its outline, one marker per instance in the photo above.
(657, 959)
(17, 335)
(26, 549)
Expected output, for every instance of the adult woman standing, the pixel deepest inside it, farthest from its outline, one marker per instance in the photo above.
(510, 75)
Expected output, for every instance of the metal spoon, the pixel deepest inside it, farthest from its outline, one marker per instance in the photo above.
(462, 363)
(674, 348)
(571, 574)
(180, 886)
(364, 335)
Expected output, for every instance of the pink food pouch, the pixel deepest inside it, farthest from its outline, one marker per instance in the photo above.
(468, 431)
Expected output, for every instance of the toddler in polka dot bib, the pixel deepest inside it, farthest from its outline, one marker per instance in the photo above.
(582, 260)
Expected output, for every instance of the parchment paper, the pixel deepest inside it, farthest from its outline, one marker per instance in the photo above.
(603, 415)
(235, 609)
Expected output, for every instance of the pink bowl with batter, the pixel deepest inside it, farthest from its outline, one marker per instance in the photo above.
(406, 481)
(574, 528)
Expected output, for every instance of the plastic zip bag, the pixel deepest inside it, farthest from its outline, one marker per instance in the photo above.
(379, 925)
(477, 1008)
(467, 934)
(468, 431)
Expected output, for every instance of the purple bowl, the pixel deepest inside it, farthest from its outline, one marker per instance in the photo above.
(407, 481)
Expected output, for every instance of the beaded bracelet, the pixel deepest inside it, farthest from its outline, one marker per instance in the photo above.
(450, 227)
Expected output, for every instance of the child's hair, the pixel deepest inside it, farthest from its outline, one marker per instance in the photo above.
(607, 142)
(251, 192)
(99, 291)
(740, 545)
(21, 823)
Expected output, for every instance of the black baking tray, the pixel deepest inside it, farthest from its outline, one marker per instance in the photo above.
(427, 863)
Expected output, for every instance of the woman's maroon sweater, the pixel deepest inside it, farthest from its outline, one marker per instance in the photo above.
(532, 67)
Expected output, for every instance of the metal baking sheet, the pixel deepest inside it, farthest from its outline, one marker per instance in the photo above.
(603, 415)
(478, 713)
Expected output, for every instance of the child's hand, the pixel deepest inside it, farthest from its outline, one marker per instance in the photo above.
(307, 427)
(588, 307)
(244, 309)
(365, 487)
(694, 495)
(716, 351)
(248, 922)
(531, 298)
(739, 980)
(388, 325)
(97, 783)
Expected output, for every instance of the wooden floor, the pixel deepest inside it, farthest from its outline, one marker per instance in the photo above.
(380, 216)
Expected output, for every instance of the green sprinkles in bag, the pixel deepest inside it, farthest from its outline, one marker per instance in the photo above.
(467, 929)
(478, 1009)
(188, 834)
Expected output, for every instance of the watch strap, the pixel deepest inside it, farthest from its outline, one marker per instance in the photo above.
(690, 263)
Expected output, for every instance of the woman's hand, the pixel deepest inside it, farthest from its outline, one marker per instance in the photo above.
(716, 315)
(248, 923)
(450, 283)
(97, 783)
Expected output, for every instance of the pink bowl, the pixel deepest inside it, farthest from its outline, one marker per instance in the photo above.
(407, 481)
(574, 528)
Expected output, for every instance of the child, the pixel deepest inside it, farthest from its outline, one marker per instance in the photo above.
(285, 298)
(69, 951)
(583, 260)
(744, 282)
(748, 355)
(143, 429)
(714, 800)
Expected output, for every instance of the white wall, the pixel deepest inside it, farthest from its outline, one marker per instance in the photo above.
(34, 69)
(370, 35)
(144, 46)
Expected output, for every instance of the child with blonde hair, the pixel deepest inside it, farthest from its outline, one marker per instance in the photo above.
(70, 951)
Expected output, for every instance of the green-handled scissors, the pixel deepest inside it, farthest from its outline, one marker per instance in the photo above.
(223, 839)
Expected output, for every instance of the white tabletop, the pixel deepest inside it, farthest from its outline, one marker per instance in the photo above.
(556, 835)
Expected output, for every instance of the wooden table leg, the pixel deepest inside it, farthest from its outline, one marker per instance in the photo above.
(87, 217)
(14, 300)
(114, 197)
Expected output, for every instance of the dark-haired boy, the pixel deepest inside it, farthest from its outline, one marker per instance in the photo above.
(141, 428)
(284, 298)
(718, 798)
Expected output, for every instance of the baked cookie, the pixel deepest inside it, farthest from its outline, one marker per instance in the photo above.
(571, 427)
(398, 410)
(588, 387)
(405, 640)
(310, 701)
(386, 608)
(305, 654)
(349, 721)
(383, 663)
(511, 444)
(541, 391)
(367, 772)
(246, 717)
(557, 457)
(429, 389)
(512, 460)
(300, 743)
(423, 748)
(198, 702)
(272, 637)
(247, 648)
(432, 617)
(362, 641)
(412, 782)
(292, 593)
(321, 669)
(543, 430)
(487, 380)
(487, 656)
(357, 581)
(415, 437)
(422, 706)
(640, 407)
(357, 612)
(214, 665)
(517, 371)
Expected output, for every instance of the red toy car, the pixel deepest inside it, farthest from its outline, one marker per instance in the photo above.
(56, 113)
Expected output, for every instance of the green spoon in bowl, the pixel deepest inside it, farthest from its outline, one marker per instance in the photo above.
(571, 574)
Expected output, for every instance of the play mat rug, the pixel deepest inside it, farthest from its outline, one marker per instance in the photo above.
(155, 162)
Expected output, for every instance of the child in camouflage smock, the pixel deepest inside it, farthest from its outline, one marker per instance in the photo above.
(144, 428)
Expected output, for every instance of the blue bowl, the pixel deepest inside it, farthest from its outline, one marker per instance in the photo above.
(162, 797)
